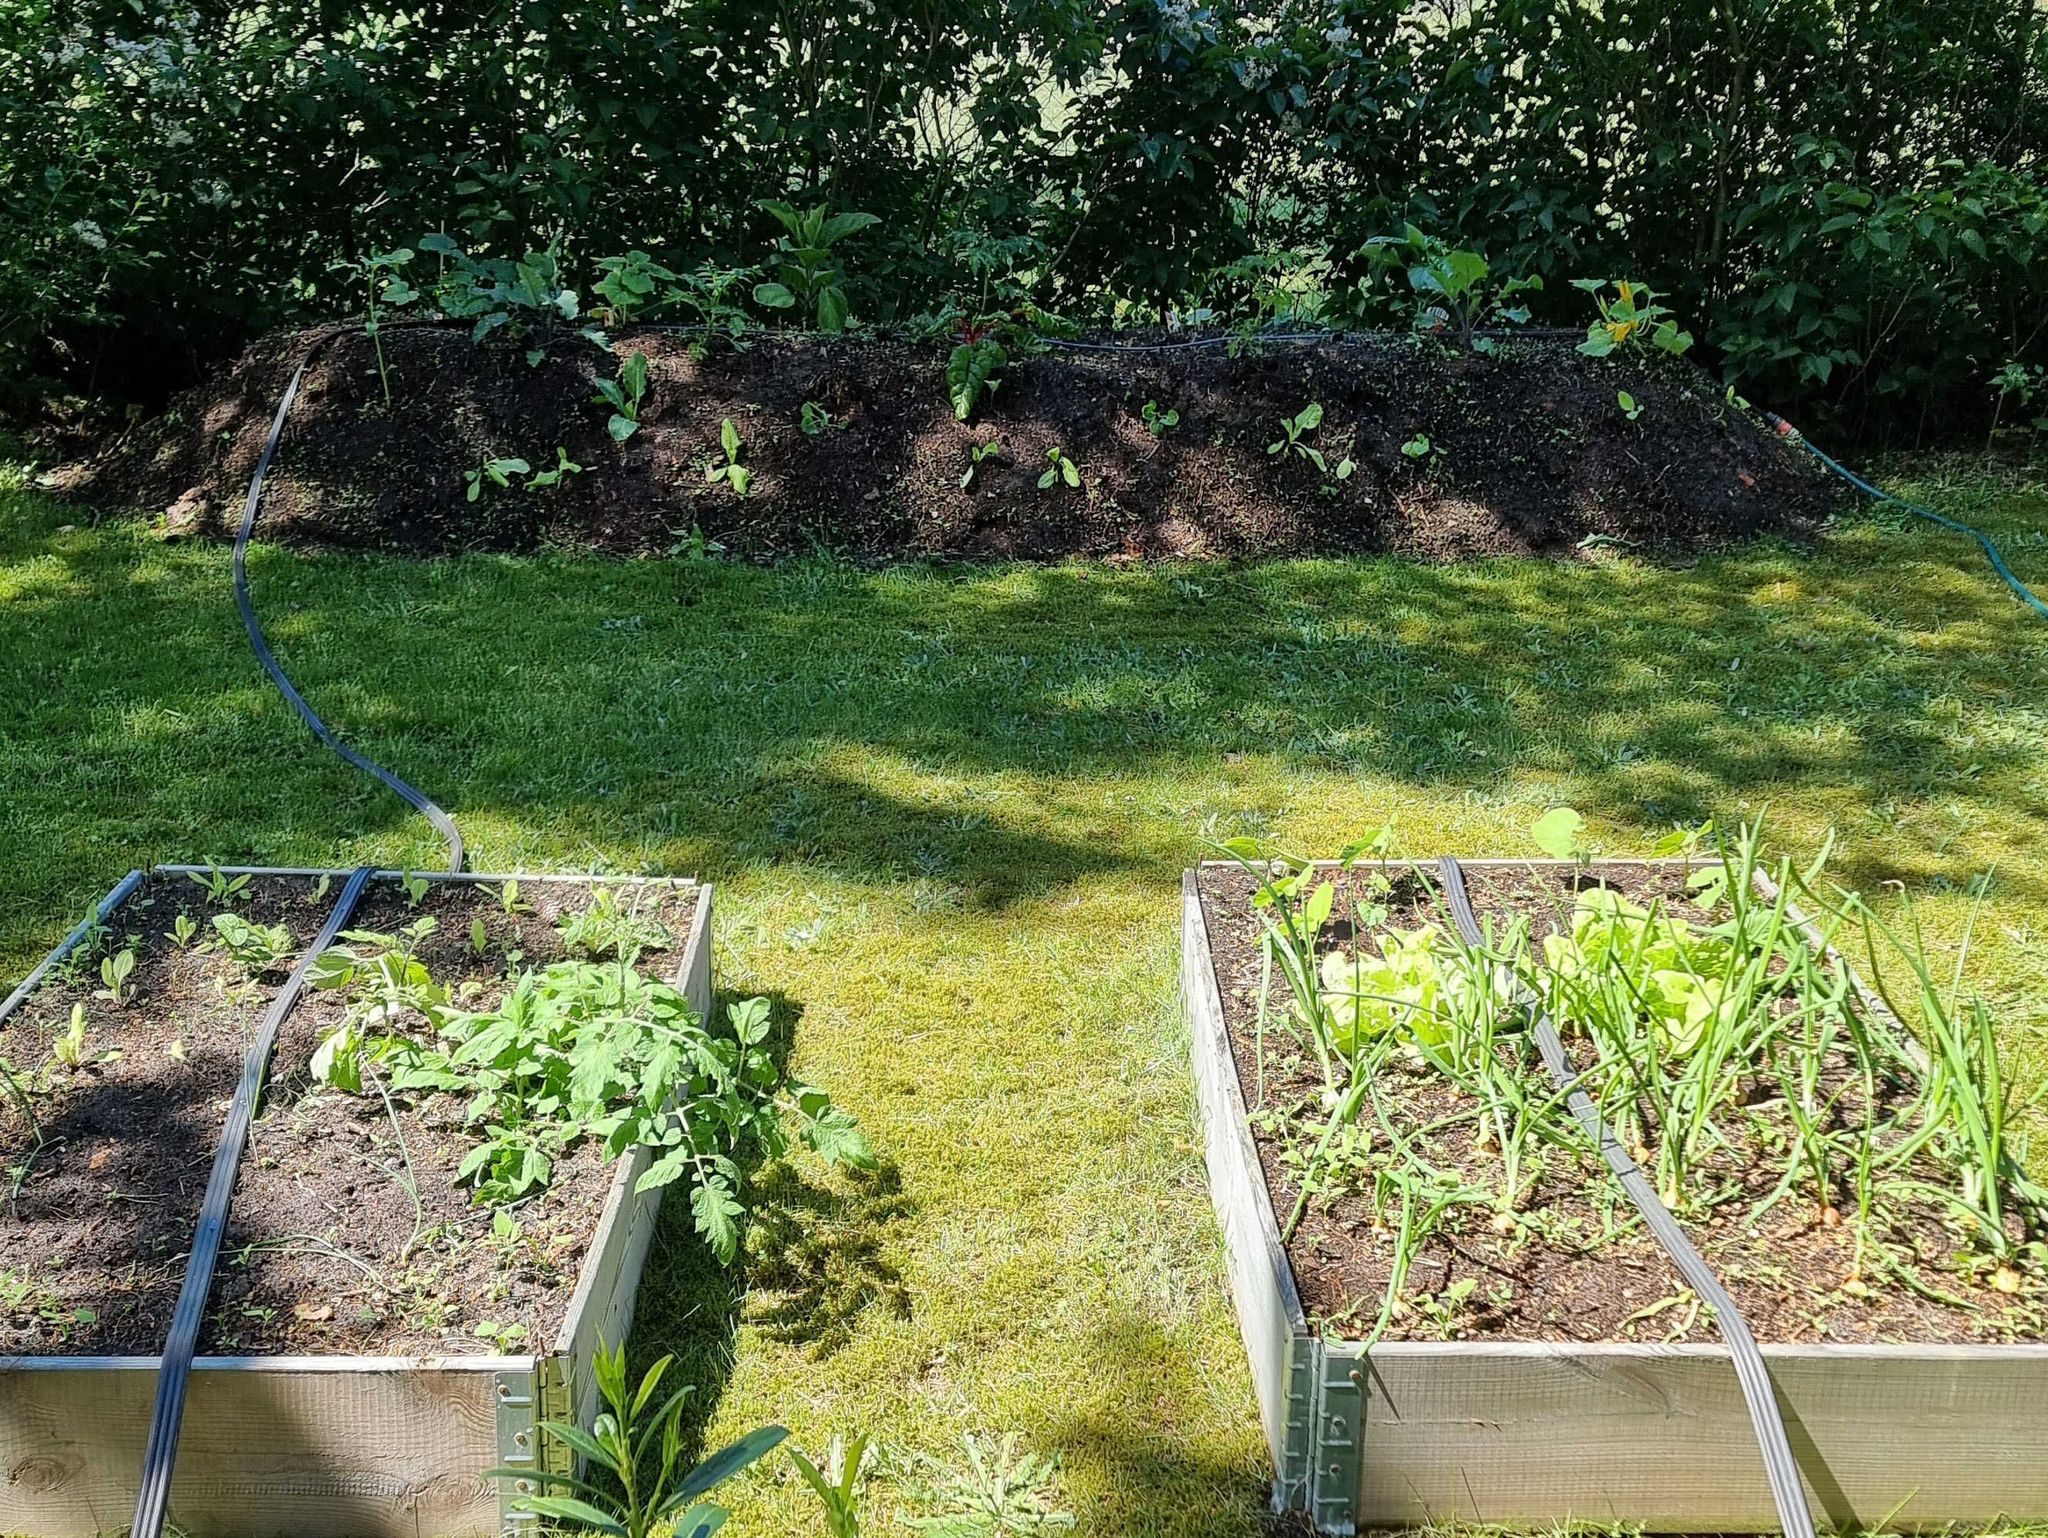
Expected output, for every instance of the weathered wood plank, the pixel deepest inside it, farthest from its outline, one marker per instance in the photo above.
(1261, 1282)
(316, 1451)
(1903, 1436)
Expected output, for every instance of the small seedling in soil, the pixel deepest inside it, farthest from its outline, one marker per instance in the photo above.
(1418, 447)
(479, 937)
(1630, 407)
(1062, 469)
(564, 468)
(732, 472)
(115, 971)
(258, 947)
(498, 472)
(606, 928)
(509, 901)
(815, 420)
(1294, 435)
(976, 453)
(1632, 318)
(219, 887)
(1160, 423)
(624, 396)
(184, 929)
(69, 1047)
(415, 889)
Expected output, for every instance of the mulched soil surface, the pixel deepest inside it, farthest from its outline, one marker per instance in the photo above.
(1786, 1273)
(326, 1253)
(1528, 454)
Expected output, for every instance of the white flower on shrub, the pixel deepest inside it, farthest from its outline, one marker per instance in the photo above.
(91, 234)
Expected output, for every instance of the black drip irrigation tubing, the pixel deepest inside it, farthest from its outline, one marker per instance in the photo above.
(1780, 1467)
(1785, 429)
(418, 800)
(174, 1369)
(174, 1372)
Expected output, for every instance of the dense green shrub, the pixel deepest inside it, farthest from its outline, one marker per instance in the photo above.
(1842, 197)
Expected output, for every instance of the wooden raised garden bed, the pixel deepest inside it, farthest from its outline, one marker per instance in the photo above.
(1514, 1413)
(374, 1341)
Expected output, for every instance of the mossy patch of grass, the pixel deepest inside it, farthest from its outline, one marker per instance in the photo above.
(947, 810)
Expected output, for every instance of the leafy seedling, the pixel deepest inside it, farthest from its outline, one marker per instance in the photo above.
(1630, 407)
(258, 947)
(815, 420)
(1418, 447)
(183, 931)
(1160, 423)
(1557, 832)
(384, 287)
(976, 454)
(219, 886)
(498, 472)
(564, 468)
(1060, 468)
(974, 369)
(415, 889)
(115, 971)
(69, 1047)
(624, 395)
(646, 1487)
(732, 472)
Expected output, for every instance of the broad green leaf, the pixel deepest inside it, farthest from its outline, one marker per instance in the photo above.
(1556, 833)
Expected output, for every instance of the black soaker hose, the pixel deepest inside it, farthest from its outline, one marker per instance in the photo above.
(443, 823)
(1787, 1489)
(174, 1370)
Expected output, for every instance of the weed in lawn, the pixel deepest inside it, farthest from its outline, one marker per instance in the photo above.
(638, 1457)
(731, 471)
(837, 1482)
(624, 395)
(997, 1490)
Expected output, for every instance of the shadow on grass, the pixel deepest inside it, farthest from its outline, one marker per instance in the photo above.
(812, 1263)
(929, 723)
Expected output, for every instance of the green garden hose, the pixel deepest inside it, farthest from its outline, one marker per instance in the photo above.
(1785, 429)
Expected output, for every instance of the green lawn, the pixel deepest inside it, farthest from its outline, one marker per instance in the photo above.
(947, 809)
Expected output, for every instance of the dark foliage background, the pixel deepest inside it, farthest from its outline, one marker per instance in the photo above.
(1843, 197)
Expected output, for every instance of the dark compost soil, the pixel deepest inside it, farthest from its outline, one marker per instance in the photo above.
(1583, 1270)
(326, 1252)
(1528, 453)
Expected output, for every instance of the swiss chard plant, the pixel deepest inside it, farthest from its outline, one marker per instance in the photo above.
(624, 395)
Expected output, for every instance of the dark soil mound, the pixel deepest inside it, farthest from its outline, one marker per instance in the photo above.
(1527, 453)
